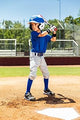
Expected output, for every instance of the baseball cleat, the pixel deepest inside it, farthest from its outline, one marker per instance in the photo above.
(29, 96)
(48, 92)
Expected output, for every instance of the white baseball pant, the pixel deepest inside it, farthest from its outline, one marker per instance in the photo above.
(35, 62)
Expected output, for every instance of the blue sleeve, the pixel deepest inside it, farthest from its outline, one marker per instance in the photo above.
(34, 34)
(48, 37)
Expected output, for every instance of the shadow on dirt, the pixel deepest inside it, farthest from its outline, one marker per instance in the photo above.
(56, 99)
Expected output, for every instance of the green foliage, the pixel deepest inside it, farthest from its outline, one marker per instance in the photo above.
(77, 21)
(69, 20)
(7, 24)
(18, 31)
(1, 34)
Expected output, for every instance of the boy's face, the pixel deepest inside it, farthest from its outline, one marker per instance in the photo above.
(35, 26)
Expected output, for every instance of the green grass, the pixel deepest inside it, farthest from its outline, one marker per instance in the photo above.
(24, 71)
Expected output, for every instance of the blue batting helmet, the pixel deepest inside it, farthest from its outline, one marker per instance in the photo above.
(36, 19)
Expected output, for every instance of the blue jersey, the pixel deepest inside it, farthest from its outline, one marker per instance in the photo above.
(39, 44)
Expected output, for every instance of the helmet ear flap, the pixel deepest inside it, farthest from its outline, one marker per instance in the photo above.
(41, 26)
(30, 26)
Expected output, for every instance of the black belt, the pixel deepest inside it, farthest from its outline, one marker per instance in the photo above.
(39, 54)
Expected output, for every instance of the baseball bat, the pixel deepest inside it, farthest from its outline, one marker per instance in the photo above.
(55, 29)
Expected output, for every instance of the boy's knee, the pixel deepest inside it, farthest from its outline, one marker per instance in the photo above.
(46, 76)
(32, 77)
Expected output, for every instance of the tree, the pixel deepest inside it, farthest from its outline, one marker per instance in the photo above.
(77, 21)
(7, 24)
(69, 20)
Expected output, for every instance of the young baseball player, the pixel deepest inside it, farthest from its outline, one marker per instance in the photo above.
(39, 41)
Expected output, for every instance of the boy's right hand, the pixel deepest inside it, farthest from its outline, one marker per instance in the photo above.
(53, 28)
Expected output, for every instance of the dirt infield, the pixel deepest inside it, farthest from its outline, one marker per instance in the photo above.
(14, 107)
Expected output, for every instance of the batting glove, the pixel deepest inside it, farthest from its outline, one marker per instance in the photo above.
(53, 28)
